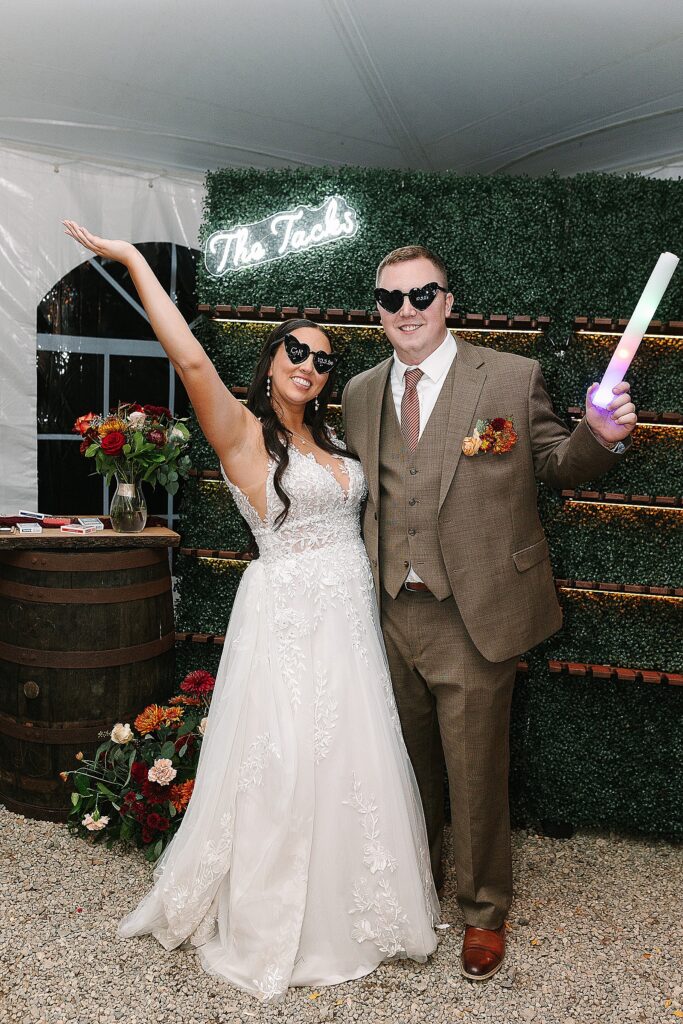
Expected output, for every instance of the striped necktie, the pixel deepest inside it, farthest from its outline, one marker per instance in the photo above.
(410, 408)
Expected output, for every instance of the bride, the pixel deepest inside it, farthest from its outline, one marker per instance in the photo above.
(302, 858)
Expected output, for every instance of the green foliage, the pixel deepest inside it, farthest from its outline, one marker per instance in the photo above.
(210, 518)
(615, 544)
(612, 629)
(654, 465)
(597, 752)
(191, 656)
(617, 225)
(207, 589)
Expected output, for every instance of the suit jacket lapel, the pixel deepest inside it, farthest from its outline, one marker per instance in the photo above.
(375, 397)
(468, 381)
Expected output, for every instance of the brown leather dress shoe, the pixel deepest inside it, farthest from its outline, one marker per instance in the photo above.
(482, 952)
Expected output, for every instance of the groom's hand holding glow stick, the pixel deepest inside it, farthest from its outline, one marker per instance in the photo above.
(637, 325)
(613, 419)
(616, 421)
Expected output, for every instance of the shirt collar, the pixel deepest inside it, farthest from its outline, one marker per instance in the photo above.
(436, 365)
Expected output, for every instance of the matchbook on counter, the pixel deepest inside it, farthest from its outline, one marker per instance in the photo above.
(84, 524)
(29, 528)
(91, 521)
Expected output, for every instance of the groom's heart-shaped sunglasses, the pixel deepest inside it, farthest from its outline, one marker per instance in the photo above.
(419, 298)
(298, 352)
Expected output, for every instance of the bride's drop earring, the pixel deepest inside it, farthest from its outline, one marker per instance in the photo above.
(316, 404)
(268, 387)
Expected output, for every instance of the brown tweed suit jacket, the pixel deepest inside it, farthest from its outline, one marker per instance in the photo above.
(487, 528)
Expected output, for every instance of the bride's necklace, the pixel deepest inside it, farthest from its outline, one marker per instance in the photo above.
(300, 437)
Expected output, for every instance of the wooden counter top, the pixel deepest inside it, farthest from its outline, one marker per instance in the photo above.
(150, 537)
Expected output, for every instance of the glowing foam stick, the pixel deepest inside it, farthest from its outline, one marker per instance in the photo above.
(636, 327)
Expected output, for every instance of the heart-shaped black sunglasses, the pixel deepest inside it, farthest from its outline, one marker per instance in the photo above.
(419, 298)
(298, 352)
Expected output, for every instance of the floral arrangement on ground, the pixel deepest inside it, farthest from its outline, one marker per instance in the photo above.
(139, 783)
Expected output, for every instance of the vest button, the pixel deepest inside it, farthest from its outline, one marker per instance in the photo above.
(413, 471)
(407, 565)
(412, 531)
(413, 501)
(374, 563)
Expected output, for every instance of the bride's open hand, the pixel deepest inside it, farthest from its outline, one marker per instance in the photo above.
(111, 250)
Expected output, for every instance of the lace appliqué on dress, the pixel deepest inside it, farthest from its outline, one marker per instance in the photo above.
(261, 751)
(315, 559)
(272, 984)
(194, 893)
(324, 715)
(383, 921)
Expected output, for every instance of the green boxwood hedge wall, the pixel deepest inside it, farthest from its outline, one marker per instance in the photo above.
(584, 750)
(562, 247)
(595, 751)
(614, 544)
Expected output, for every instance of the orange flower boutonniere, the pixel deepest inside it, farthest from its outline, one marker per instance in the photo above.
(495, 436)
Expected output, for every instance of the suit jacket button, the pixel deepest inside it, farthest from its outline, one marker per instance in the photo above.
(374, 563)
(413, 471)
(413, 501)
(406, 565)
(412, 531)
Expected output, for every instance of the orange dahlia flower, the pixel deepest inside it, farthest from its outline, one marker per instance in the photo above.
(174, 715)
(194, 702)
(111, 424)
(180, 794)
(153, 716)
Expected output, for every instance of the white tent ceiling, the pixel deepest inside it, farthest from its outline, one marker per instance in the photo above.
(491, 86)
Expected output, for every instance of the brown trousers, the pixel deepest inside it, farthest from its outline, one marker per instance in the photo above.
(454, 705)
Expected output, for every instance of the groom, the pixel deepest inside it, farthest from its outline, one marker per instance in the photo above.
(460, 560)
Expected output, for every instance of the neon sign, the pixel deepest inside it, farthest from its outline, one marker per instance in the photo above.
(283, 234)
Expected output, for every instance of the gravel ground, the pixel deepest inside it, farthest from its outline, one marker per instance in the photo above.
(596, 935)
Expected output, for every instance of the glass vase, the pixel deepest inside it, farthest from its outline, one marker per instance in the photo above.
(128, 511)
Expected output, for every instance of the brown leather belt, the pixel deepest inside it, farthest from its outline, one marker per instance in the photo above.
(411, 585)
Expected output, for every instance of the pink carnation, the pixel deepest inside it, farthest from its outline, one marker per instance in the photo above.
(162, 771)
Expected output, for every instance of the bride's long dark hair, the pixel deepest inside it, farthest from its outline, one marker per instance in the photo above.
(275, 434)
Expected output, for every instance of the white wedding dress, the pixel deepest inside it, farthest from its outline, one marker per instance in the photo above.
(302, 858)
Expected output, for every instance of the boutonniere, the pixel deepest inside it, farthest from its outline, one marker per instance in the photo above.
(496, 436)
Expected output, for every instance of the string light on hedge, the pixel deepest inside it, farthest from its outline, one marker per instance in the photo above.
(620, 594)
(663, 428)
(632, 506)
(223, 565)
(607, 337)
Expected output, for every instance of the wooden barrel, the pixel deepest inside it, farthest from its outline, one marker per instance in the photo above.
(86, 640)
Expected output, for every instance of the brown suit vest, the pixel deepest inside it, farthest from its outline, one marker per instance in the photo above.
(409, 484)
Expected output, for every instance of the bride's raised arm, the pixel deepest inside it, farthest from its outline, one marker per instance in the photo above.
(228, 426)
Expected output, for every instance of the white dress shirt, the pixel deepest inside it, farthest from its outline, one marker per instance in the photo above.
(434, 370)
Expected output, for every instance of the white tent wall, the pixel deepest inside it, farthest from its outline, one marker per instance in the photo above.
(37, 190)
